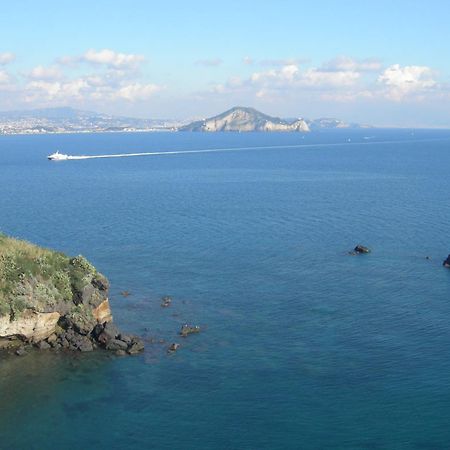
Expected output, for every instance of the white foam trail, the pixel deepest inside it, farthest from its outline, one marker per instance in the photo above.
(236, 149)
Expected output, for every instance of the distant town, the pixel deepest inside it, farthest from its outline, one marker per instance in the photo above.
(69, 120)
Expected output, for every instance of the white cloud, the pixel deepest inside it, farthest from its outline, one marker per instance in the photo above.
(247, 60)
(85, 89)
(45, 73)
(400, 82)
(112, 59)
(340, 80)
(105, 57)
(113, 78)
(137, 91)
(6, 58)
(291, 76)
(315, 77)
(55, 90)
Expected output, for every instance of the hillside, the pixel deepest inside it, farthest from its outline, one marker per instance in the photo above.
(70, 120)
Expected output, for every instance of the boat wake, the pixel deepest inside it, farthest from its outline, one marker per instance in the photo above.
(62, 157)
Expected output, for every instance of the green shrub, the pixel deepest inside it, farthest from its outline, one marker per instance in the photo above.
(34, 277)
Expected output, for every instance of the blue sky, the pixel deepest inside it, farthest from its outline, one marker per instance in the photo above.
(374, 62)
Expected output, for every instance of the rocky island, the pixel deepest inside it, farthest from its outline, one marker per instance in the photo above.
(246, 119)
(243, 119)
(49, 300)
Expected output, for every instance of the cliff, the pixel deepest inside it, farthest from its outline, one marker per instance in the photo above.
(50, 300)
(246, 119)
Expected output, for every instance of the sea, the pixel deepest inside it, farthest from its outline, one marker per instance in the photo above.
(302, 345)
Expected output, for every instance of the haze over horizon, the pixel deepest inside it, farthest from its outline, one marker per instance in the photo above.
(383, 64)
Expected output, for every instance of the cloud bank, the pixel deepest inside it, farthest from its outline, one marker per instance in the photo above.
(110, 80)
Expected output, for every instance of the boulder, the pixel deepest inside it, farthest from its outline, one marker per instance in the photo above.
(136, 346)
(125, 338)
(361, 249)
(446, 263)
(111, 330)
(20, 351)
(43, 345)
(173, 347)
(85, 345)
(116, 344)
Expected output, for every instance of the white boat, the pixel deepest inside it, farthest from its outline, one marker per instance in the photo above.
(57, 156)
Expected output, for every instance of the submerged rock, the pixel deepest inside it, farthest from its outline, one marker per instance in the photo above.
(446, 263)
(49, 300)
(166, 301)
(186, 330)
(20, 351)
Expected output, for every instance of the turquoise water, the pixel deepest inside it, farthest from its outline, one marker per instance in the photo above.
(304, 347)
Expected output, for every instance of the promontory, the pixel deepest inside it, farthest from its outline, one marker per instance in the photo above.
(51, 301)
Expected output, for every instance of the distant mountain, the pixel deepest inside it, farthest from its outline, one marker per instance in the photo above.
(70, 120)
(246, 119)
(249, 119)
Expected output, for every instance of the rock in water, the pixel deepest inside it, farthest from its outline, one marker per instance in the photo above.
(53, 301)
(361, 249)
(446, 263)
(166, 301)
(173, 348)
(186, 330)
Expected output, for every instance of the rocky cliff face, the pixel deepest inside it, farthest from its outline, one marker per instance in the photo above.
(50, 300)
(246, 119)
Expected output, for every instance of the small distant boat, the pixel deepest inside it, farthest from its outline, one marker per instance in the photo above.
(57, 156)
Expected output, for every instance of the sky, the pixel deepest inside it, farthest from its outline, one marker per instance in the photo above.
(380, 62)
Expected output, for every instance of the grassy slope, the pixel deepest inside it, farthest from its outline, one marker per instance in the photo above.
(36, 278)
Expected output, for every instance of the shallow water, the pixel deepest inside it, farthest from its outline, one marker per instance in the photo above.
(303, 346)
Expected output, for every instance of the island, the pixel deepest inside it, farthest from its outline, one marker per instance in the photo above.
(49, 300)
(242, 119)
(246, 119)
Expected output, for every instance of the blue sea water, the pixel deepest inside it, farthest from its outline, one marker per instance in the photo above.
(303, 346)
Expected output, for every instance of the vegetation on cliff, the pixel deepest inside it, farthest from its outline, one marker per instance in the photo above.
(51, 300)
(43, 280)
